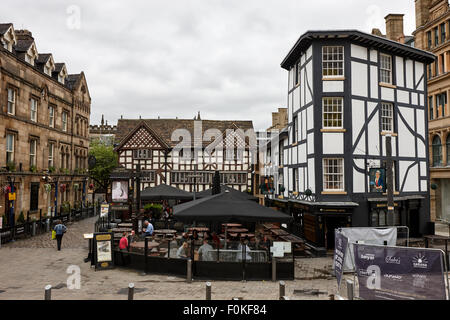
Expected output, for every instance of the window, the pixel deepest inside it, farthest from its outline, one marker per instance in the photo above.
(430, 72)
(51, 148)
(64, 121)
(429, 39)
(297, 73)
(448, 149)
(387, 117)
(61, 78)
(233, 178)
(142, 154)
(437, 151)
(51, 116)
(436, 36)
(295, 130)
(11, 101)
(332, 113)
(296, 180)
(333, 174)
(442, 59)
(29, 59)
(443, 33)
(34, 196)
(386, 68)
(9, 148)
(430, 103)
(441, 101)
(33, 109)
(333, 61)
(148, 176)
(33, 148)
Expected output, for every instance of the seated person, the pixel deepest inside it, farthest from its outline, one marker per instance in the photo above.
(204, 252)
(148, 230)
(194, 235)
(182, 252)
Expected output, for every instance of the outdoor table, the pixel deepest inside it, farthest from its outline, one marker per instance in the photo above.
(125, 225)
(238, 230)
(141, 245)
(279, 232)
(438, 237)
(165, 231)
(231, 225)
(199, 229)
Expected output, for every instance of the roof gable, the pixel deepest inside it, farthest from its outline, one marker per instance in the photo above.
(142, 137)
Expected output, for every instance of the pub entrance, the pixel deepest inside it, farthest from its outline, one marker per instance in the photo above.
(330, 224)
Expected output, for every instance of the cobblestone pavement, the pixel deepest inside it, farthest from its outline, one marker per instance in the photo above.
(28, 265)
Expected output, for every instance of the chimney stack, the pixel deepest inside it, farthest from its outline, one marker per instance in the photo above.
(394, 27)
(422, 12)
(23, 35)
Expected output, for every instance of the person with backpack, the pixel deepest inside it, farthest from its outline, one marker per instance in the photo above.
(59, 229)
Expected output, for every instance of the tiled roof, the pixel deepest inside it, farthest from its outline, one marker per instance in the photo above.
(71, 80)
(43, 58)
(23, 45)
(59, 66)
(165, 127)
(4, 27)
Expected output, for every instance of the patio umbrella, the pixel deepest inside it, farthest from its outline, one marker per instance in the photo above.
(165, 192)
(226, 207)
(223, 188)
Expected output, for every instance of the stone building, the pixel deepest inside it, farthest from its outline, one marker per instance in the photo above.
(433, 34)
(104, 132)
(347, 91)
(44, 123)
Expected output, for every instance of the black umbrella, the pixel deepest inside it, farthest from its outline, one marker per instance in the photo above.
(223, 188)
(165, 192)
(225, 207)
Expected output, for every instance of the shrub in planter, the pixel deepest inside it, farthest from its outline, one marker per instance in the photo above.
(21, 218)
(11, 166)
(33, 169)
(51, 169)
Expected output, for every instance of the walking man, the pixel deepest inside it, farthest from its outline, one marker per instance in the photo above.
(60, 229)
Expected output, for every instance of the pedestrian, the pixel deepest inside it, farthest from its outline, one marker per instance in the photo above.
(123, 247)
(205, 250)
(60, 229)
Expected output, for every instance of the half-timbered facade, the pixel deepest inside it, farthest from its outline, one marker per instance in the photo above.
(348, 90)
(153, 144)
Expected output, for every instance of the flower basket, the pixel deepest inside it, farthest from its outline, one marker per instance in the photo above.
(63, 187)
(48, 187)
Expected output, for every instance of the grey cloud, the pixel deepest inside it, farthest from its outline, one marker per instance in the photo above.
(174, 58)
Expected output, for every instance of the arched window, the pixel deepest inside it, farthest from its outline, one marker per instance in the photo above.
(437, 151)
(448, 149)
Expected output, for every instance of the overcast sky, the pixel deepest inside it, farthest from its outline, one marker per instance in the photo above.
(175, 58)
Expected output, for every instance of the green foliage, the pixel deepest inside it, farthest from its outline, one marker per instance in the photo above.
(51, 169)
(106, 162)
(154, 208)
(11, 166)
(21, 218)
(65, 207)
(33, 169)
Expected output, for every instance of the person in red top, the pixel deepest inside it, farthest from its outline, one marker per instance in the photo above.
(123, 247)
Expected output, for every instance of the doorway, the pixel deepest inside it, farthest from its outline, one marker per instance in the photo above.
(332, 223)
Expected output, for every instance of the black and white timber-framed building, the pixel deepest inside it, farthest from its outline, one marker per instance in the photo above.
(149, 143)
(347, 90)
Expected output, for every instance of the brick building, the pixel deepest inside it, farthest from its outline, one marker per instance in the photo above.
(44, 124)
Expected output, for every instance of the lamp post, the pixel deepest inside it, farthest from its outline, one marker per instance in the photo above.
(11, 180)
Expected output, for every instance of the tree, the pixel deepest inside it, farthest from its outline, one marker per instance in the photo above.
(106, 162)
